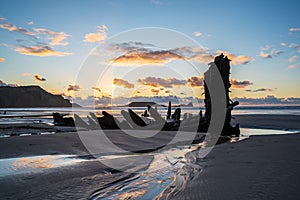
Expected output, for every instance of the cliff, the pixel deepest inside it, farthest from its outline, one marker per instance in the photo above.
(30, 96)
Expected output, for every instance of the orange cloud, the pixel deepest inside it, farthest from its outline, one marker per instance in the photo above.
(264, 55)
(161, 82)
(2, 59)
(58, 39)
(26, 74)
(124, 83)
(73, 88)
(42, 36)
(98, 36)
(156, 91)
(39, 78)
(293, 58)
(195, 81)
(239, 60)
(138, 54)
(273, 52)
(199, 54)
(146, 58)
(40, 51)
(96, 89)
(12, 28)
(293, 66)
(203, 58)
(55, 38)
(239, 84)
(236, 60)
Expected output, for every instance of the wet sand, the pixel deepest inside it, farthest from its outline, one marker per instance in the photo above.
(60, 143)
(260, 167)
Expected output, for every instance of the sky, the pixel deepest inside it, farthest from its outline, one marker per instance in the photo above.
(105, 49)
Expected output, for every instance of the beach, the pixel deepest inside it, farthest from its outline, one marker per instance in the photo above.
(259, 167)
(262, 167)
(156, 99)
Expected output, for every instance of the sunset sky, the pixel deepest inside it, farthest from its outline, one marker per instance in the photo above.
(48, 43)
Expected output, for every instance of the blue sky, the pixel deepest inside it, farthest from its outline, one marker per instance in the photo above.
(266, 33)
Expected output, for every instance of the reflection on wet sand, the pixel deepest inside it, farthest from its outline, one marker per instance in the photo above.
(167, 174)
(32, 162)
(131, 195)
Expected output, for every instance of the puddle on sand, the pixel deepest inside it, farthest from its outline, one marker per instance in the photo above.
(140, 186)
(168, 173)
(247, 132)
(34, 164)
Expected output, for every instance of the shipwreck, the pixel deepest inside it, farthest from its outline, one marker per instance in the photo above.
(151, 119)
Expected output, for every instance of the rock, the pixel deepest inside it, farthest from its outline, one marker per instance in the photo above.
(60, 120)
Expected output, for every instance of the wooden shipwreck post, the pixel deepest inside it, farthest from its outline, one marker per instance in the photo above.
(223, 64)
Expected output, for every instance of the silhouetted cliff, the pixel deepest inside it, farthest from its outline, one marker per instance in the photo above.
(30, 96)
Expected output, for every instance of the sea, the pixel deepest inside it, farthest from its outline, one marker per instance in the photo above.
(44, 115)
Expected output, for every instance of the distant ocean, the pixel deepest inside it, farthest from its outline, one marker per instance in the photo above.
(44, 115)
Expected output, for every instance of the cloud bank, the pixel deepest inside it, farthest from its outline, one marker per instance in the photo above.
(40, 51)
(145, 58)
(39, 42)
(195, 81)
(139, 54)
(239, 84)
(161, 82)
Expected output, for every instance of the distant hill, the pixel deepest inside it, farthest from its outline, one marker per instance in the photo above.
(30, 96)
(141, 104)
